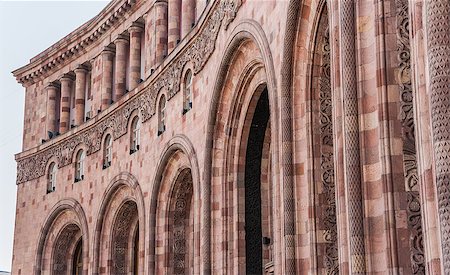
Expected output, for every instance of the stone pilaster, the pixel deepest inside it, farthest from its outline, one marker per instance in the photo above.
(160, 32)
(135, 54)
(107, 77)
(122, 44)
(174, 24)
(438, 35)
(80, 89)
(188, 16)
(52, 90)
(66, 90)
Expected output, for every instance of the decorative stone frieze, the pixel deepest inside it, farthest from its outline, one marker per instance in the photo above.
(198, 52)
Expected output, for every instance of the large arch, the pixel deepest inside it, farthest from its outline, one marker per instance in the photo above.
(67, 219)
(248, 37)
(122, 201)
(178, 147)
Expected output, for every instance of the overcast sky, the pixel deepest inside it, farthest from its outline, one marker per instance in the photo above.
(26, 29)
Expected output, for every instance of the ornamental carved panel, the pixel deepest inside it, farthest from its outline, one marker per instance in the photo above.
(413, 208)
(181, 207)
(61, 254)
(198, 52)
(122, 234)
(323, 133)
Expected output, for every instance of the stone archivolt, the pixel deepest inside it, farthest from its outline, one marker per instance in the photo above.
(197, 52)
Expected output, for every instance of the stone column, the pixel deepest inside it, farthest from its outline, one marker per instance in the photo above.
(80, 90)
(352, 162)
(188, 16)
(438, 35)
(52, 90)
(174, 24)
(160, 31)
(66, 89)
(121, 67)
(107, 77)
(199, 8)
(135, 54)
(149, 50)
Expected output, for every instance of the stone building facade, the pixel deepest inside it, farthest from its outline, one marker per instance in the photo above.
(239, 136)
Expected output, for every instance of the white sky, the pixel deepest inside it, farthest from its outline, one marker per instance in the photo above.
(26, 29)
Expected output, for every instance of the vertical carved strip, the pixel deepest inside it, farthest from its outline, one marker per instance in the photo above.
(413, 207)
(121, 256)
(438, 33)
(331, 263)
(181, 209)
(351, 139)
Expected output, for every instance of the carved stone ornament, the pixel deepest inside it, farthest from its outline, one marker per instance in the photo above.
(330, 235)
(409, 141)
(198, 52)
(121, 237)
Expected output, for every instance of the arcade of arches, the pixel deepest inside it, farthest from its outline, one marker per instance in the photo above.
(223, 142)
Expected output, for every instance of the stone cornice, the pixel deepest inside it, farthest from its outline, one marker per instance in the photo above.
(31, 164)
(73, 44)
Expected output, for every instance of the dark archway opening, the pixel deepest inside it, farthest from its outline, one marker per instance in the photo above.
(253, 161)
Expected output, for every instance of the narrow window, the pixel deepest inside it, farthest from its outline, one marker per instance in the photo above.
(107, 155)
(53, 169)
(187, 92)
(79, 166)
(135, 135)
(162, 115)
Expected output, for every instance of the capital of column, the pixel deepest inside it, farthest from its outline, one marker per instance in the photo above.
(121, 39)
(136, 27)
(67, 77)
(52, 85)
(108, 51)
(80, 69)
(160, 2)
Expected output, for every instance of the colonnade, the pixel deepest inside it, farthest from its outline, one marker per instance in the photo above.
(126, 62)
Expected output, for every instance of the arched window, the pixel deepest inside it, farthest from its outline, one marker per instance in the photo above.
(187, 104)
(79, 166)
(135, 134)
(78, 259)
(52, 170)
(162, 115)
(107, 152)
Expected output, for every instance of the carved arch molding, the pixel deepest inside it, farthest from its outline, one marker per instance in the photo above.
(197, 52)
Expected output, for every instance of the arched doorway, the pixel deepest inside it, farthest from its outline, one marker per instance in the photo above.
(118, 246)
(254, 197)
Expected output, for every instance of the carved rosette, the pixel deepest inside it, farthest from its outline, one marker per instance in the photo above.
(198, 52)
